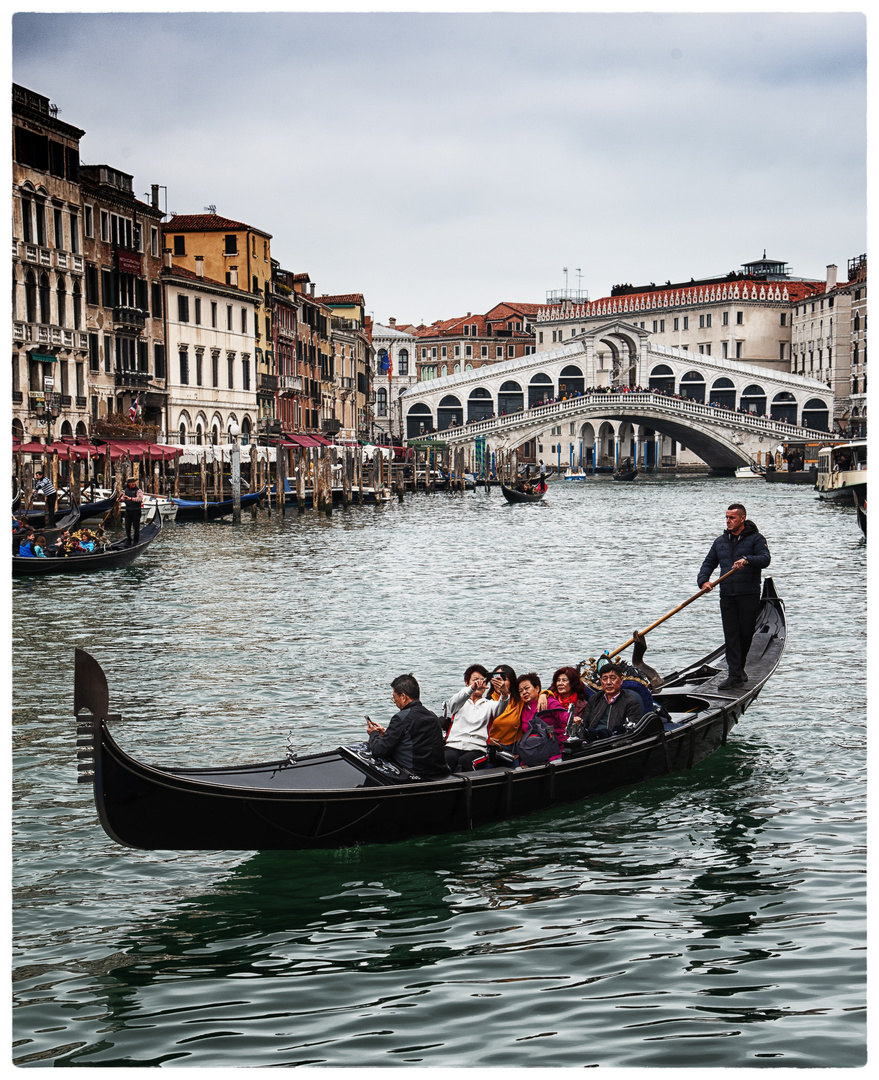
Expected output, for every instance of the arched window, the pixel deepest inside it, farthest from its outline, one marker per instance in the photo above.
(61, 296)
(479, 404)
(753, 400)
(723, 393)
(816, 414)
(45, 311)
(784, 407)
(382, 361)
(510, 398)
(381, 400)
(215, 435)
(693, 386)
(182, 434)
(403, 361)
(662, 378)
(449, 413)
(77, 306)
(539, 389)
(30, 296)
(571, 381)
(418, 420)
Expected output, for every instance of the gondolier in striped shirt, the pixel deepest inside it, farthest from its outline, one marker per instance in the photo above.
(47, 489)
(132, 498)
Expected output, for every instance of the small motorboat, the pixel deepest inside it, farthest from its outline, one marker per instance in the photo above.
(575, 472)
(750, 472)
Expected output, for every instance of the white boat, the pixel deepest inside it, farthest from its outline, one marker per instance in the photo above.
(167, 509)
(750, 472)
(575, 472)
(842, 471)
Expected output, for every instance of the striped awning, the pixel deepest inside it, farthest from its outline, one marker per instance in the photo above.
(45, 358)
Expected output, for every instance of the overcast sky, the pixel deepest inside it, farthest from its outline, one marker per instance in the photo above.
(440, 163)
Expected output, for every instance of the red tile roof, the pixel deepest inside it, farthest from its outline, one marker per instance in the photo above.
(342, 298)
(207, 223)
(181, 271)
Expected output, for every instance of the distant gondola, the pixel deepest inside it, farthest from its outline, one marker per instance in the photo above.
(121, 553)
(625, 474)
(196, 510)
(514, 496)
(346, 796)
(68, 519)
(860, 498)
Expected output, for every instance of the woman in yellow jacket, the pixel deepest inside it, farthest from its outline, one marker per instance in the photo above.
(506, 728)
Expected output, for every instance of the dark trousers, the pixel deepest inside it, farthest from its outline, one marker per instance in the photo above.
(132, 522)
(739, 617)
(463, 760)
(50, 510)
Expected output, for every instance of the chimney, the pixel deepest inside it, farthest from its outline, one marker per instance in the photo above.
(233, 276)
(154, 198)
(166, 252)
(312, 288)
(392, 323)
(831, 277)
(199, 266)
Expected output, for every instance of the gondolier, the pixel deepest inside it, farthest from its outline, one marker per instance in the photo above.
(47, 489)
(743, 548)
(132, 498)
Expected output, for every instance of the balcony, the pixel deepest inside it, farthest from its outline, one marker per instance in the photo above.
(66, 401)
(331, 427)
(268, 382)
(136, 379)
(290, 384)
(17, 397)
(81, 402)
(128, 318)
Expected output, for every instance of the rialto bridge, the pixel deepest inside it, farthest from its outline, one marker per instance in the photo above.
(725, 411)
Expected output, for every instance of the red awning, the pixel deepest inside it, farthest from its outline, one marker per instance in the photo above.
(299, 440)
(133, 449)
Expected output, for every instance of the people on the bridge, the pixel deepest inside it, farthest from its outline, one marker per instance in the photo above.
(413, 739)
(474, 708)
(132, 500)
(742, 548)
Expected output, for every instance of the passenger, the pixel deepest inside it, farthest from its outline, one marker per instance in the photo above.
(413, 740)
(86, 542)
(570, 691)
(59, 548)
(506, 728)
(608, 712)
(26, 546)
(40, 547)
(535, 702)
(474, 709)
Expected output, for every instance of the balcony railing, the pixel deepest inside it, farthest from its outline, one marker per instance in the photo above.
(131, 318)
(268, 382)
(17, 397)
(81, 402)
(290, 383)
(132, 378)
(332, 426)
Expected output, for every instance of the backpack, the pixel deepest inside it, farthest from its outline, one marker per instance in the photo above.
(539, 744)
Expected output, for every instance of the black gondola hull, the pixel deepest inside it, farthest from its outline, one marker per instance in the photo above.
(191, 510)
(345, 797)
(513, 496)
(119, 554)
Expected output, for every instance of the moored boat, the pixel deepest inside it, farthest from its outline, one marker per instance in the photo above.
(750, 472)
(346, 796)
(120, 553)
(842, 470)
(575, 472)
(196, 510)
(625, 474)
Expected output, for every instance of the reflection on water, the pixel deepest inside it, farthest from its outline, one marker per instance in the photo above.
(714, 919)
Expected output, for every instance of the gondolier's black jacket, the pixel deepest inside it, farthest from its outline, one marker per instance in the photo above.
(726, 549)
(413, 741)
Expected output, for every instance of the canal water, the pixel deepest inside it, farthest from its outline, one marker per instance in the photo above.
(709, 919)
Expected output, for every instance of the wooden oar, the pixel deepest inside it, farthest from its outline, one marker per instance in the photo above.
(673, 611)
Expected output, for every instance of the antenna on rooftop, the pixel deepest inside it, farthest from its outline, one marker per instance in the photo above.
(212, 209)
(565, 272)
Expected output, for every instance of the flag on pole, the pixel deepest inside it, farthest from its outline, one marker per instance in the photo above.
(132, 412)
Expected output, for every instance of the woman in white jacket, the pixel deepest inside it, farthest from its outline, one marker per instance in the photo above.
(473, 708)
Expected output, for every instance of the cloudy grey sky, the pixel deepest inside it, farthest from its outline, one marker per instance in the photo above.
(440, 163)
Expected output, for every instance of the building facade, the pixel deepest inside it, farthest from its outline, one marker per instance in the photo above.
(450, 346)
(394, 371)
(348, 328)
(211, 343)
(857, 287)
(50, 345)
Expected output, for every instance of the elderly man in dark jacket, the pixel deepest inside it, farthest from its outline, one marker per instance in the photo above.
(612, 709)
(413, 740)
(743, 548)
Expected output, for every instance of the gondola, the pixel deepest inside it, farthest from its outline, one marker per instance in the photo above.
(860, 498)
(196, 510)
(345, 796)
(37, 518)
(121, 553)
(513, 496)
(69, 519)
(625, 474)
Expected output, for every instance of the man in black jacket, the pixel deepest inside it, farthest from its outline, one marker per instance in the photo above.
(413, 740)
(611, 710)
(740, 547)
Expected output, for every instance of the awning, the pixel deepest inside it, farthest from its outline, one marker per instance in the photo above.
(307, 441)
(135, 450)
(44, 358)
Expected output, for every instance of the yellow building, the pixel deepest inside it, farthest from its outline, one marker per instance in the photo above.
(240, 255)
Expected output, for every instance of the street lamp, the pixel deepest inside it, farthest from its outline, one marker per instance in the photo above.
(48, 412)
